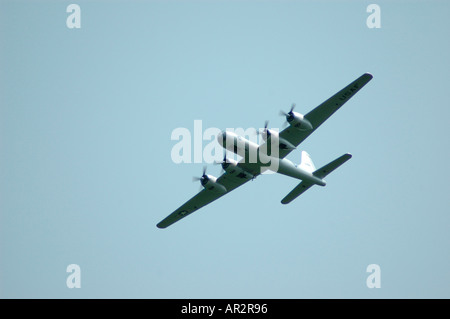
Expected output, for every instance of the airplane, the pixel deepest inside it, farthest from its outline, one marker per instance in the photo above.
(270, 155)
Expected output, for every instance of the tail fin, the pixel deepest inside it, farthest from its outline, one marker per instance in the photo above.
(306, 163)
(320, 173)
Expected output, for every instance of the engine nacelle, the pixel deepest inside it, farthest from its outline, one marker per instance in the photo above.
(273, 138)
(298, 121)
(209, 182)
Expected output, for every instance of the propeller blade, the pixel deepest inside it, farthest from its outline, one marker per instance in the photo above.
(264, 131)
(292, 107)
(196, 179)
(283, 113)
(224, 160)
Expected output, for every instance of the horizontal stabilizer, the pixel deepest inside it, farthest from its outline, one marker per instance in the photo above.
(320, 173)
(296, 192)
(327, 169)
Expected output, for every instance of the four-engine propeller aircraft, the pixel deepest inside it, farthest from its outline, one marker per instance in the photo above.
(270, 155)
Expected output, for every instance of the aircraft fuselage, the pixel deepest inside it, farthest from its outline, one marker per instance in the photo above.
(259, 155)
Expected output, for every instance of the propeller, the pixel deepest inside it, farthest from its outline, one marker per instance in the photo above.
(203, 179)
(289, 116)
(265, 131)
(224, 163)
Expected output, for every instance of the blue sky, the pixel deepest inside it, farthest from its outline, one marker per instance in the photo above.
(86, 117)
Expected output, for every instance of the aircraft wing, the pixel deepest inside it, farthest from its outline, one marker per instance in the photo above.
(322, 112)
(203, 198)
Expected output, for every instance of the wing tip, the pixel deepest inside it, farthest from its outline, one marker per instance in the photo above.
(161, 225)
(368, 75)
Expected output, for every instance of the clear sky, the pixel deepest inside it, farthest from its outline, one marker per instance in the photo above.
(86, 117)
